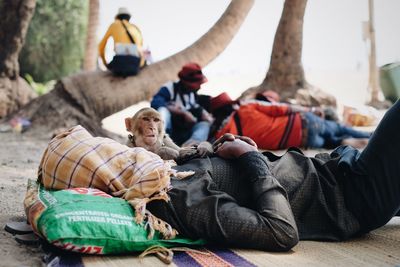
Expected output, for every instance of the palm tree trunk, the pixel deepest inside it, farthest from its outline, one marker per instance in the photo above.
(286, 74)
(99, 94)
(89, 62)
(15, 17)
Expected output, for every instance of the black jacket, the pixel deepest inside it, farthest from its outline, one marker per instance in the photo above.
(259, 201)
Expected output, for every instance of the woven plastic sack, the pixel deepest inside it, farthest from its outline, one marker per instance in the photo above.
(89, 221)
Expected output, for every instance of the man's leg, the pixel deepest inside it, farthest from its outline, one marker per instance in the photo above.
(200, 133)
(337, 134)
(340, 130)
(373, 185)
(315, 128)
(330, 134)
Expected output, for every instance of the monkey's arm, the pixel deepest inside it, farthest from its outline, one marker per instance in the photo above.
(168, 150)
(167, 153)
(204, 149)
(169, 143)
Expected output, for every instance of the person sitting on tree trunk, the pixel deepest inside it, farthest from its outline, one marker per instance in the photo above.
(274, 125)
(128, 43)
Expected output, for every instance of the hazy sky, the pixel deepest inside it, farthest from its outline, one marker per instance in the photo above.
(332, 37)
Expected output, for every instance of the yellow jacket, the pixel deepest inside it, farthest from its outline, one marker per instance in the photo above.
(119, 35)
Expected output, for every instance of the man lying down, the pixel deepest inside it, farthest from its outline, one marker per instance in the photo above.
(242, 198)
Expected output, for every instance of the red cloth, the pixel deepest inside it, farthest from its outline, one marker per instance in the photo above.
(271, 126)
(220, 101)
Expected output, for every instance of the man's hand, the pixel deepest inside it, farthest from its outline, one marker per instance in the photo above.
(176, 109)
(189, 118)
(231, 146)
(206, 116)
(231, 137)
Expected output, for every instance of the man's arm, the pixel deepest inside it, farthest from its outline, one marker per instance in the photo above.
(102, 44)
(271, 225)
(316, 110)
(275, 227)
(201, 208)
(161, 99)
(215, 215)
(282, 109)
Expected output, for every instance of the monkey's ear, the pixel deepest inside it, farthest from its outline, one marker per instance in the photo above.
(128, 124)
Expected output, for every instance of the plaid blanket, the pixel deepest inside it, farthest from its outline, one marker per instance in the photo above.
(77, 159)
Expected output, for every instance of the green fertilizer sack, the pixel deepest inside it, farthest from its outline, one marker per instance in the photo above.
(89, 221)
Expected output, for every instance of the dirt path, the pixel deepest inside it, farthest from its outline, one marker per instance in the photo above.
(19, 158)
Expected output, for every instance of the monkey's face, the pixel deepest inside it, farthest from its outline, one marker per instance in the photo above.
(149, 128)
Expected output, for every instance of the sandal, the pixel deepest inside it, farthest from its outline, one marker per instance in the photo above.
(28, 239)
(18, 228)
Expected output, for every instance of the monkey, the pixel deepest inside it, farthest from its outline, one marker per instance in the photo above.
(147, 131)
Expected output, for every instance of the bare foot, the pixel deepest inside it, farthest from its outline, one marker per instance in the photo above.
(356, 142)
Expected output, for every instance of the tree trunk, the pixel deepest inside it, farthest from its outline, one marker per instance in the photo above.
(14, 93)
(15, 17)
(88, 97)
(286, 73)
(89, 62)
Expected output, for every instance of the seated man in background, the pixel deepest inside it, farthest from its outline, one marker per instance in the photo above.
(251, 200)
(186, 121)
(274, 125)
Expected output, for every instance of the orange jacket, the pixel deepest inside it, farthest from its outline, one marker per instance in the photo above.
(271, 126)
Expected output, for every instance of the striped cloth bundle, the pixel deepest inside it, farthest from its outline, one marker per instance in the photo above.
(75, 158)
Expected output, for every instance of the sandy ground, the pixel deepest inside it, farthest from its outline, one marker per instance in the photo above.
(19, 159)
(20, 155)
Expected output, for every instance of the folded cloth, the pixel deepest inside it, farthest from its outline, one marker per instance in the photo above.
(75, 158)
